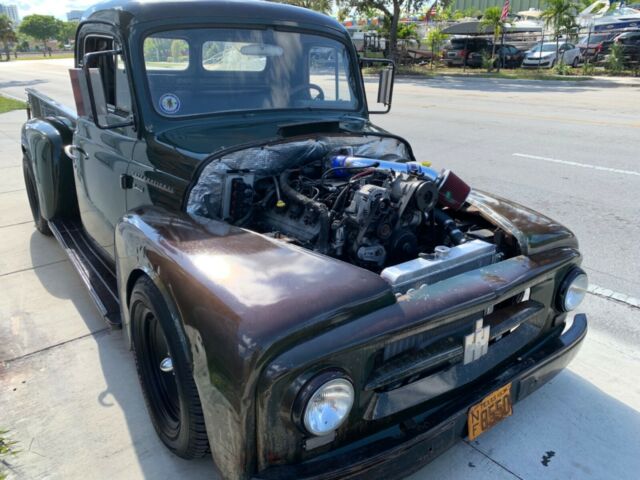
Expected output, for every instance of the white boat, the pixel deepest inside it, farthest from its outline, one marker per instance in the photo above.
(618, 19)
(603, 16)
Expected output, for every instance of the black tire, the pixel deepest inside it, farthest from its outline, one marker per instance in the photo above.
(32, 193)
(171, 397)
(575, 62)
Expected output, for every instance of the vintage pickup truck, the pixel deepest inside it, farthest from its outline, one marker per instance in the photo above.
(304, 298)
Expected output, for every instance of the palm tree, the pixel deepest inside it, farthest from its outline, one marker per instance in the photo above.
(7, 34)
(492, 19)
(559, 15)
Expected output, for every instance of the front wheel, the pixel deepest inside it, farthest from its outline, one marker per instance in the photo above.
(165, 373)
(575, 62)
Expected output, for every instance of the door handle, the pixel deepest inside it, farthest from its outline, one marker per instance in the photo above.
(75, 152)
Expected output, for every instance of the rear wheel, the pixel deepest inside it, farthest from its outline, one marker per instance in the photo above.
(575, 62)
(164, 370)
(32, 193)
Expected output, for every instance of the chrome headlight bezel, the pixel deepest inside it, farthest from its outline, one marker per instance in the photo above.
(573, 290)
(312, 391)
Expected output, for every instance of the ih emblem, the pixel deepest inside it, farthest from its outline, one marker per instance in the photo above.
(476, 344)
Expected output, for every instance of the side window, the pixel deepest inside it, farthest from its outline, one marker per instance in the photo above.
(165, 53)
(329, 71)
(111, 70)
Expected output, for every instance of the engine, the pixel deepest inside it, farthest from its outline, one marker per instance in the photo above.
(369, 212)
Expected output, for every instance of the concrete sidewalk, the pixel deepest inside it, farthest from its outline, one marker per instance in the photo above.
(69, 393)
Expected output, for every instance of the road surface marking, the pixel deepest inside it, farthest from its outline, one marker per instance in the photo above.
(532, 116)
(617, 296)
(576, 164)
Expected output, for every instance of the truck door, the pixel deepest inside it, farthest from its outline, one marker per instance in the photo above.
(103, 154)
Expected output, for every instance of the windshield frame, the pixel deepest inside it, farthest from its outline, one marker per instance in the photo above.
(352, 68)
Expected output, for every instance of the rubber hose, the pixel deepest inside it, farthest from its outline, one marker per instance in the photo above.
(449, 226)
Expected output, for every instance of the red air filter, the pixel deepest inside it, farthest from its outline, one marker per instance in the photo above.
(453, 191)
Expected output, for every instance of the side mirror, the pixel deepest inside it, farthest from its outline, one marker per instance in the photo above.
(102, 98)
(385, 81)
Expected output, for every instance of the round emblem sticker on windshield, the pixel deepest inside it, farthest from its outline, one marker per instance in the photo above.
(169, 103)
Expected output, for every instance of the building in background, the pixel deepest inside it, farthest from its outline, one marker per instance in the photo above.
(482, 5)
(74, 15)
(10, 11)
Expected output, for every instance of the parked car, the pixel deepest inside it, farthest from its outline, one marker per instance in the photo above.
(629, 43)
(466, 51)
(595, 44)
(508, 56)
(303, 298)
(544, 55)
(505, 56)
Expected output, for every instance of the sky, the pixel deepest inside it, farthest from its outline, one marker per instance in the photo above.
(57, 8)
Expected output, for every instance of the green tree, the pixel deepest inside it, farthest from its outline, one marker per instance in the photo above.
(66, 31)
(435, 39)
(559, 16)
(444, 13)
(391, 10)
(323, 6)
(7, 34)
(615, 61)
(492, 20)
(42, 27)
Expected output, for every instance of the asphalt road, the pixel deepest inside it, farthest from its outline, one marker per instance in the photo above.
(567, 149)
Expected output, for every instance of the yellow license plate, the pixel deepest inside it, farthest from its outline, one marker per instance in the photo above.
(493, 408)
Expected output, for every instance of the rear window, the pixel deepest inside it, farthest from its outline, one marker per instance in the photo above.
(165, 53)
(232, 57)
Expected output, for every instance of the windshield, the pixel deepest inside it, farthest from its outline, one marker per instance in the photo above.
(547, 47)
(201, 71)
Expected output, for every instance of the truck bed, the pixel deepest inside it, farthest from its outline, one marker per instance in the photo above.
(40, 106)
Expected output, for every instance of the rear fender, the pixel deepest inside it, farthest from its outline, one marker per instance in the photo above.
(43, 142)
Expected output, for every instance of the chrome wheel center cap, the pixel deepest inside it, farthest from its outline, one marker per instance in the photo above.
(166, 365)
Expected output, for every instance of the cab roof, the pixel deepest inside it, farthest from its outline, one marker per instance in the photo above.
(126, 12)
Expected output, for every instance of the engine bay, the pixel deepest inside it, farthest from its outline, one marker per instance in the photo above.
(394, 216)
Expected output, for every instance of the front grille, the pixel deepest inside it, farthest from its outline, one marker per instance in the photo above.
(420, 340)
(417, 375)
(427, 353)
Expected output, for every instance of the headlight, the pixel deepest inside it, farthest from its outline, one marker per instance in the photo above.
(327, 406)
(572, 290)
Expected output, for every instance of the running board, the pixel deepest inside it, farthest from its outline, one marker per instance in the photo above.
(98, 275)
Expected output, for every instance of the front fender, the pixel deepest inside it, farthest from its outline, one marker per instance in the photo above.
(242, 298)
(534, 232)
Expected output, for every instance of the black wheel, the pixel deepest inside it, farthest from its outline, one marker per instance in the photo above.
(575, 62)
(165, 373)
(32, 193)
